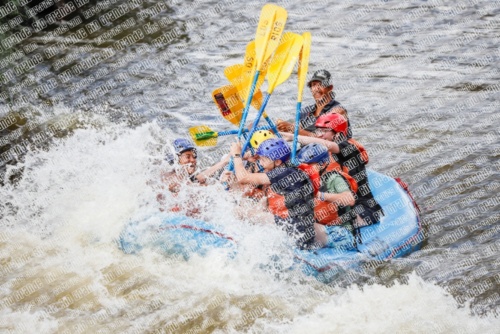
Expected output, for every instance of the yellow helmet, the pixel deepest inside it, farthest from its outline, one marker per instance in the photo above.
(260, 136)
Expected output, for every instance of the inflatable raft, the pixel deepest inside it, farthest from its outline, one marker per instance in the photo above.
(398, 233)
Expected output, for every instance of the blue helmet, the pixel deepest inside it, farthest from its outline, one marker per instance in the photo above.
(274, 149)
(182, 145)
(313, 153)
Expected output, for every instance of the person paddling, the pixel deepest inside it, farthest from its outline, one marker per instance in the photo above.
(325, 103)
(332, 132)
(288, 189)
(334, 198)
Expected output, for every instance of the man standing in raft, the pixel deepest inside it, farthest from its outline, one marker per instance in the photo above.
(322, 92)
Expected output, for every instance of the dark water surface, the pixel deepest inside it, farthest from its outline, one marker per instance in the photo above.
(91, 91)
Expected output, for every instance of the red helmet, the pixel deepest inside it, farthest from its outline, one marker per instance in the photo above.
(334, 121)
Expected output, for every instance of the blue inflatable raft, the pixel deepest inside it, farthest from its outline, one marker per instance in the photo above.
(398, 233)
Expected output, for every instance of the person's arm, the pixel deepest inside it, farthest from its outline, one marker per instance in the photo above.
(345, 198)
(304, 140)
(284, 126)
(202, 177)
(306, 133)
(338, 192)
(242, 175)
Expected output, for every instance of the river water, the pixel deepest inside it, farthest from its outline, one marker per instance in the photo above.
(88, 103)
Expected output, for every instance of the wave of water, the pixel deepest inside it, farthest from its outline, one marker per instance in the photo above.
(63, 272)
(419, 79)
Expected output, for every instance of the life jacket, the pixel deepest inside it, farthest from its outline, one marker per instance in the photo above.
(344, 172)
(363, 153)
(276, 202)
(255, 192)
(327, 213)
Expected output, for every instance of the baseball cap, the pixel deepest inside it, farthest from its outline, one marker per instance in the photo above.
(323, 76)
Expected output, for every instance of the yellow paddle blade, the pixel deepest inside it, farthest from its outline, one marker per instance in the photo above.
(269, 30)
(229, 103)
(236, 75)
(284, 60)
(304, 63)
(250, 61)
(257, 100)
(203, 135)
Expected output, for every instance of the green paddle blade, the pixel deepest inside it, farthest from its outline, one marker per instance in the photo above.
(203, 135)
(206, 135)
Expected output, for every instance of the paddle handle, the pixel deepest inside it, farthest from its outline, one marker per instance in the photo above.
(248, 102)
(296, 133)
(254, 126)
(234, 132)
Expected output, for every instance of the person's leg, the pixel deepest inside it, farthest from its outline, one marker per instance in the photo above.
(320, 236)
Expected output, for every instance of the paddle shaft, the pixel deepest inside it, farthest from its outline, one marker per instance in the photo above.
(231, 162)
(296, 133)
(302, 73)
(247, 138)
(271, 124)
(248, 102)
(235, 132)
(254, 126)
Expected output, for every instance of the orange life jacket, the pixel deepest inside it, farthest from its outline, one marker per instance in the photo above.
(327, 213)
(344, 172)
(363, 153)
(276, 202)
